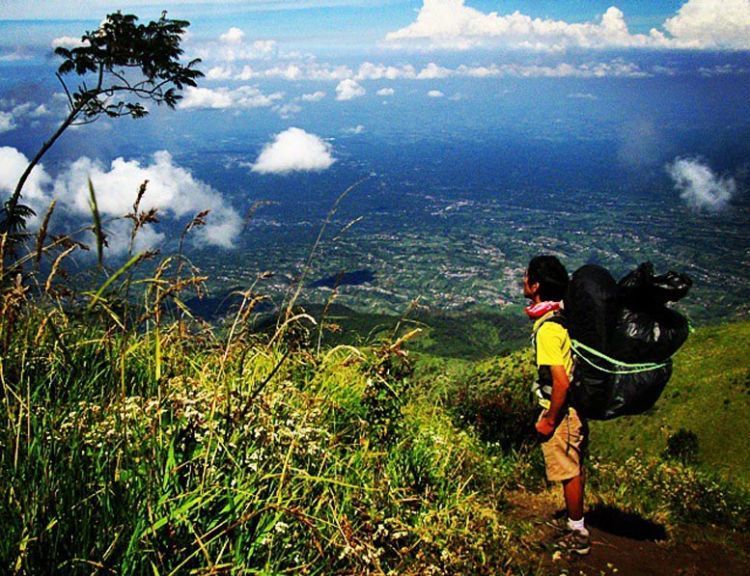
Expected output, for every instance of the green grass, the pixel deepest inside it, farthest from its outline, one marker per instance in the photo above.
(172, 448)
(709, 394)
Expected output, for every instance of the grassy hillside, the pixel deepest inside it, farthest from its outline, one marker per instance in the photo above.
(708, 395)
(136, 438)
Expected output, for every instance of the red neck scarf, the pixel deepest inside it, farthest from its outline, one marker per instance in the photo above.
(535, 311)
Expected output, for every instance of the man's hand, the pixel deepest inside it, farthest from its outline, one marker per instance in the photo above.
(545, 426)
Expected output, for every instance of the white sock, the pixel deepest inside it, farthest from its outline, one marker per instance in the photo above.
(578, 525)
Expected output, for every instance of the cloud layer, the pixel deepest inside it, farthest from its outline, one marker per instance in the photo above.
(221, 98)
(699, 24)
(172, 190)
(10, 118)
(349, 79)
(699, 186)
(294, 150)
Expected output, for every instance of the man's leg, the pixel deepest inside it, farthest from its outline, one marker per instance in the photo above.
(573, 490)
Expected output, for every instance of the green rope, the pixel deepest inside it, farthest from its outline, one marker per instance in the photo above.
(625, 367)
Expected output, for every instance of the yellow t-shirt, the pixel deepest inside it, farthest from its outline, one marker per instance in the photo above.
(552, 344)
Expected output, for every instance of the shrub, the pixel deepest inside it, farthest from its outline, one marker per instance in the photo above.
(670, 491)
(682, 446)
(494, 398)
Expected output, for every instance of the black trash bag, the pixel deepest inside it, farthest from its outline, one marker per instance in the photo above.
(648, 336)
(642, 290)
(635, 393)
(648, 331)
(591, 308)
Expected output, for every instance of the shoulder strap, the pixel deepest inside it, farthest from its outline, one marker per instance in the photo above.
(556, 318)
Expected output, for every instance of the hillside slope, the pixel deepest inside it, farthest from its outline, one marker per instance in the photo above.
(709, 395)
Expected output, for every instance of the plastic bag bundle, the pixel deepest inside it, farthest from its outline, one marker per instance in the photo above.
(625, 336)
(648, 331)
(642, 289)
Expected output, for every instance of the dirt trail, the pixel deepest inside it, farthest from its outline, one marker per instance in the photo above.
(628, 545)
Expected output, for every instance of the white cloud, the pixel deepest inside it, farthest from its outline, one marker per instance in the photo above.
(232, 36)
(286, 72)
(222, 98)
(698, 24)
(358, 129)
(265, 46)
(172, 189)
(247, 73)
(39, 111)
(582, 96)
(313, 97)
(15, 56)
(12, 165)
(292, 71)
(721, 70)
(118, 237)
(232, 47)
(349, 89)
(371, 71)
(315, 71)
(435, 94)
(349, 84)
(712, 24)
(288, 110)
(10, 119)
(699, 186)
(15, 114)
(616, 68)
(6, 122)
(294, 150)
(452, 24)
(386, 92)
(69, 42)
(433, 72)
(219, 73)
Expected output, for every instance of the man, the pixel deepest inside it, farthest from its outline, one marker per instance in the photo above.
(563, 433)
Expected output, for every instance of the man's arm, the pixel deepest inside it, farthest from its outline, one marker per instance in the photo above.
(551, 418)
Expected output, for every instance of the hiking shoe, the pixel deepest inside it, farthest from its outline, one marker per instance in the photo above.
(575, 542)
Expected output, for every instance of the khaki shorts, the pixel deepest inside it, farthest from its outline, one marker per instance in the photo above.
(564, 451)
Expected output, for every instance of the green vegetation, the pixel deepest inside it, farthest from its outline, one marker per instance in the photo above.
(470, 336)
(138, 439)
